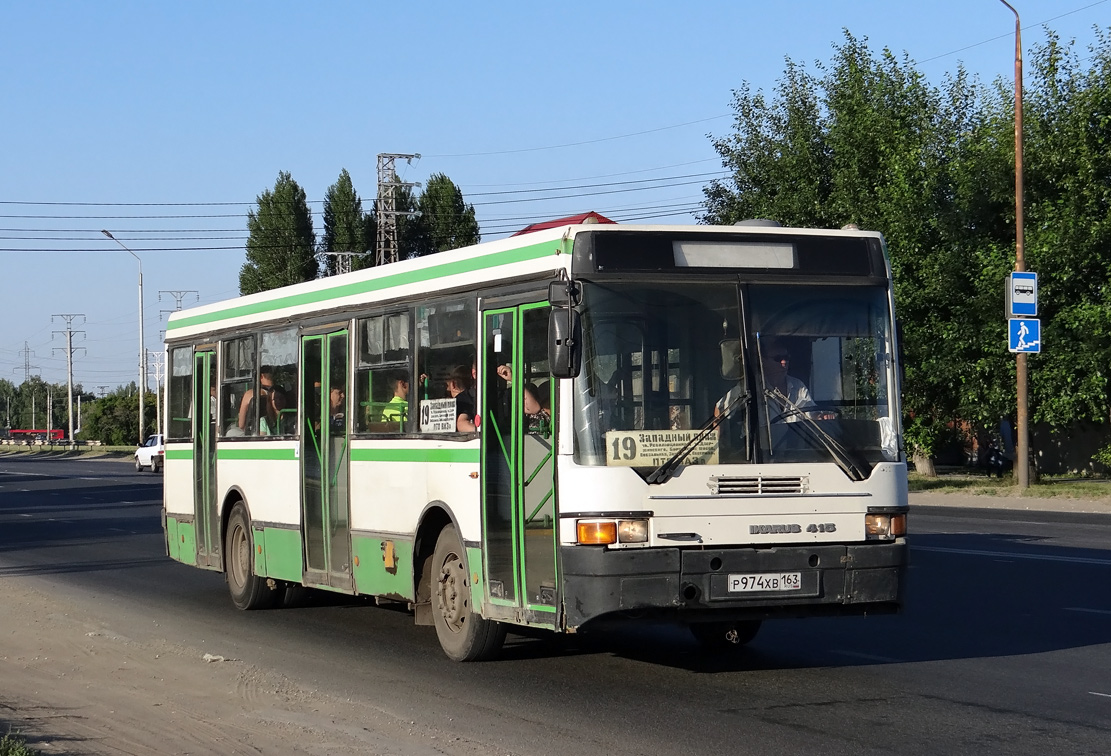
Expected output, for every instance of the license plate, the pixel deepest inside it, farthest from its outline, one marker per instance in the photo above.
(768, 581)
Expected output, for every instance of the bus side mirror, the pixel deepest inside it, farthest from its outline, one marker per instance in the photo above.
(564, 342)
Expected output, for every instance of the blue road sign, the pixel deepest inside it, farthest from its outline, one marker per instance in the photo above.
(1026, 334)
(1022, 295)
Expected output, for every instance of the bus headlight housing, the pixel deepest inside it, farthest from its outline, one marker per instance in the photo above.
(611, 532)
(885, 526)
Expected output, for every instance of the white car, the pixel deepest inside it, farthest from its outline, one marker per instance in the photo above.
(151, 454)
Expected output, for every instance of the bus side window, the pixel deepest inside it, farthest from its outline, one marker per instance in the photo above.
(239, 371)
(383, 388)
(446, 360)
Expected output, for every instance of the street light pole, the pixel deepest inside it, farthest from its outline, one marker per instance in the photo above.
(1022, 420)
(142, 348)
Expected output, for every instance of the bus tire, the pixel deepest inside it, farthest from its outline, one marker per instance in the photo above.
(464, 635)
(724, 636)
(248, 590)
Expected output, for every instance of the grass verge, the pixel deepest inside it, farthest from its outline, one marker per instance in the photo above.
(978, 485)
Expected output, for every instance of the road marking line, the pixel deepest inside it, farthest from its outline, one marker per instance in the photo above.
(1105, 695)
(1014, 555)
(868, 657)
(1085, 609)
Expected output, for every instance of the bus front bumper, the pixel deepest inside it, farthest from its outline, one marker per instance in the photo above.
(694, 585)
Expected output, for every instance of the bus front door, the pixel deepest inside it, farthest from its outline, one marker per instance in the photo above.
(206, 518)
(324, 458)
(518, 465)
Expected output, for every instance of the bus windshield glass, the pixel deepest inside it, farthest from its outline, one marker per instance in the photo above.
(721, 373)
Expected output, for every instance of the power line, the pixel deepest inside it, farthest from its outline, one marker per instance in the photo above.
(579, 144)
(631, 185)
(1010, 35)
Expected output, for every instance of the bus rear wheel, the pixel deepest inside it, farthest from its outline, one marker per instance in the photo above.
(463, 634)
(724, 636)
(248, 590)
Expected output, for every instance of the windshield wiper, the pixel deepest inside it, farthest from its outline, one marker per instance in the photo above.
(663, 473)
(840, 454)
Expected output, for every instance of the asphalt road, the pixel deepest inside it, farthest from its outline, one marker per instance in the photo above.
(1004, 647)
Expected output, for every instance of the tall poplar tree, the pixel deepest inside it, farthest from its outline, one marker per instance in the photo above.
(445, 221)
(281, 248)
(345, 225)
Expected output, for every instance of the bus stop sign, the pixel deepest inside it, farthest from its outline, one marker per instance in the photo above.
(1022, 295)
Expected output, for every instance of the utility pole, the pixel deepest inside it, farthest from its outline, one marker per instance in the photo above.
(159, 364)
(1022, 424)
(69, 364)
(386, 248)
(178, 297)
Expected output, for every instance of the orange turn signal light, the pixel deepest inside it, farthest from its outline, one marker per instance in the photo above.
(597, 532)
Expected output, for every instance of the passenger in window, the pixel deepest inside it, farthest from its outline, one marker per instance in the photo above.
(247, 406)
(275, 401)
(397, 409)
(337, 407)
(537, 419)
(460, 387)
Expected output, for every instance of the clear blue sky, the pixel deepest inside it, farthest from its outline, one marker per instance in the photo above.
(204, 102)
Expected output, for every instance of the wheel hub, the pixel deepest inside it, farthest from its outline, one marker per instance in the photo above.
(451, 599)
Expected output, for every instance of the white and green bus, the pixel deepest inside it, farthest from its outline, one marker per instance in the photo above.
(695, 424)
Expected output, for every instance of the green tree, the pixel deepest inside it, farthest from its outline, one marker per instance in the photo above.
(411, 231)
(871, 142)
(8, 393)
(345, 225)
(1068, 221)
(281, 247)
(113, 418)
(448, 221)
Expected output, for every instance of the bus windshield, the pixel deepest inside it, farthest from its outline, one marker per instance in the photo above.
(722, 373)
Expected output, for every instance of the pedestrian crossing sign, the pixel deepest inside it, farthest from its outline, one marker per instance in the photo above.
(1025, 335)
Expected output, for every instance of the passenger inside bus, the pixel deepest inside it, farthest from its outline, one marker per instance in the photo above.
(397, 408)
(459, 387)
(537, 418)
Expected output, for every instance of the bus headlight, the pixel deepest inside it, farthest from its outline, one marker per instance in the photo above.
(885, 526)
(632, 531)
(610, 532)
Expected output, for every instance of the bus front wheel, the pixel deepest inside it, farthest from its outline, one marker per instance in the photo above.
(248, 590)
(463, 634)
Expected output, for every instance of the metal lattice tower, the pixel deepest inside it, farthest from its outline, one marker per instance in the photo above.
(343, 261)
(386, 247)
(26, 351)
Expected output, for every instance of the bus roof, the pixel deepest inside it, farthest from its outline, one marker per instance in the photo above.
(536, 253)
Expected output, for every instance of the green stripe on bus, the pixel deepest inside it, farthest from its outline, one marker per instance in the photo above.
(281, 454)
(508, 257)
(179, 454)
(464, 456)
